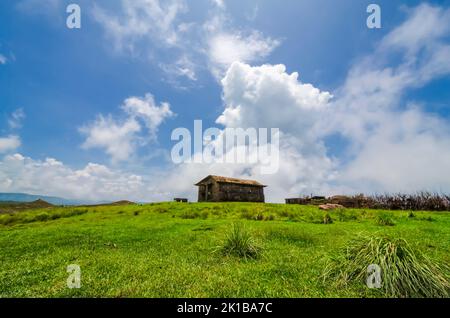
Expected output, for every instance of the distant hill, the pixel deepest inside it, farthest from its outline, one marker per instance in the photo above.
(117, 203)
(19, 206)
(11, 206)
(24, 197)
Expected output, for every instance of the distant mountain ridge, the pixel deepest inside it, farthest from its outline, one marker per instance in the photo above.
(25, 197)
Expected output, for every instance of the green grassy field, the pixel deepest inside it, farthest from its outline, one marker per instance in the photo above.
(173, 249)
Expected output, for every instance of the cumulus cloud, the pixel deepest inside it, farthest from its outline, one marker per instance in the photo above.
(225, 44)
(393, 145)
(146, 109)
(9, 143)
(227, 47)
(120, 137)
(267, 96)
(52, 177)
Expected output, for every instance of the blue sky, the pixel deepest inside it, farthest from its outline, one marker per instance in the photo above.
(57, 83)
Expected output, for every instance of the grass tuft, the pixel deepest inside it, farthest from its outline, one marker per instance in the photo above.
(239, 242)
(327, 219)
(405, 272)
(385, 219)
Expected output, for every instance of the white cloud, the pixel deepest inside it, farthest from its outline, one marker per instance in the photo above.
(9, 143)
(159, 30)
(118, 139)
(183, 68)
(396, 146)
(3, 59)
(228, 47)
(411, 152)
(298, 173)
(146, 109)
(121, 137)
(51, 177)
(266, 96)
(16, 118)
(219, 3)
(142, 19)
(225, 44)
(425, 25)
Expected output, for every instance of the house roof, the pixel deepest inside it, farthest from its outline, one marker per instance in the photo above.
(231, 180)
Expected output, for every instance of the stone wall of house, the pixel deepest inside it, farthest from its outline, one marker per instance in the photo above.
(229, 192)
(239, 193)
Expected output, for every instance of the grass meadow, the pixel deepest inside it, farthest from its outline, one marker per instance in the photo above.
(203, 249)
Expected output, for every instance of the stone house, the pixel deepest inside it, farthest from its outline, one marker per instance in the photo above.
(224, 189)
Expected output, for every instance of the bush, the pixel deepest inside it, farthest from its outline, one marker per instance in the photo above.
(416, 202)
(55, 216)
(404, 272)
(42, 217)
(239, 242)
(8, 219)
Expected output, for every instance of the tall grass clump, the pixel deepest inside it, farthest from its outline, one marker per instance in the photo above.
(345, 215)
(385, 219)
(327, 219)
(239, 242)
(405, 273)
(190, 215)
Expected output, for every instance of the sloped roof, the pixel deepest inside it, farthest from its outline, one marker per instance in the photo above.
(231, 180)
